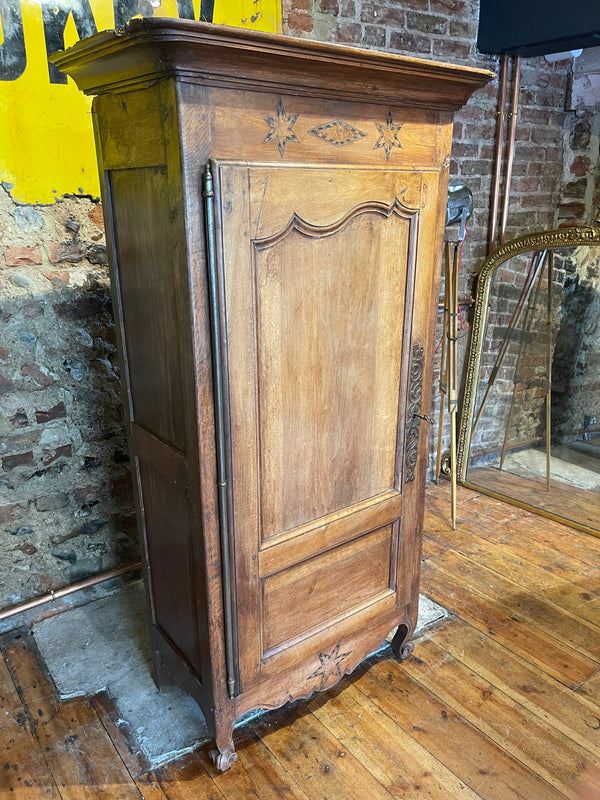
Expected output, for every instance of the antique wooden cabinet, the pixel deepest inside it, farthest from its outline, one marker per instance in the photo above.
(274, 209)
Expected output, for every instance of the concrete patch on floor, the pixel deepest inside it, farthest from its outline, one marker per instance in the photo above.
(104, 646)
(430, 613)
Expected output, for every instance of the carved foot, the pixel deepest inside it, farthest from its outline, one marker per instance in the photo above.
(401, 647)
(406, 650)
(223, 759)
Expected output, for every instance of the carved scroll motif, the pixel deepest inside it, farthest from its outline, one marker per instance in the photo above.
(413, 412)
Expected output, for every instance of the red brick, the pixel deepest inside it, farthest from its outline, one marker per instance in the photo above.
(571, 211)
(32, 310)
(575, 189)
(17, 460)
(374, 36)
(56, 412)
(410, 43)
(37, 374)
(21, 442)
(580, 166)
(97, 216)
(329, 7)
(58, 278)
(85, 494)
(47, 583)
(450, 48)
(65, 251)
(554, 154)
(448, 7)
(81, 307)
(22, 255)
(536, 116)
(300, 21)
(50, 455)
(462, 29)
(378, 14)
(581, 135)
(13, 511)
(348, 32)
(426, 23)
(4, 354)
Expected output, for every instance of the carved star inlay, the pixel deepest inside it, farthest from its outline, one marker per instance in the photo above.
(388, 136)
(280, 128)
(330, 665)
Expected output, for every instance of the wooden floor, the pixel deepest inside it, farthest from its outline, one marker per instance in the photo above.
(500, 701)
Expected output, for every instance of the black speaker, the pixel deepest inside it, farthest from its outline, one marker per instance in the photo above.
(537, 27)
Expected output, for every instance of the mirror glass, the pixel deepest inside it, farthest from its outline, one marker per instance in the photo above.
(530, 422)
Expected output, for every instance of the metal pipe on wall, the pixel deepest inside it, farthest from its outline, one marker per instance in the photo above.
(498, 153)
(58, 594)
(514, 107)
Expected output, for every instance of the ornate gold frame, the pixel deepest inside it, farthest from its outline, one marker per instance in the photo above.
(543, 240)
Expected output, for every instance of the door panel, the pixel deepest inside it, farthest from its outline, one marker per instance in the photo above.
(328, 363)
(361, 567)
(316, 300)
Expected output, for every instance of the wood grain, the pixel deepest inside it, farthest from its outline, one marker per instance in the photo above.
(483, 765)
(274, 216)
(571, 713)
(485, 709)
(562, 662)
(392, 755)
(316, 759)
(550, 754)
(68, 750)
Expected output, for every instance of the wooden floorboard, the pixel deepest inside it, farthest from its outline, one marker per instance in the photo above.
(499, 702)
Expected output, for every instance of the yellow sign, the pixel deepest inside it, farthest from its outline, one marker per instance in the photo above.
(47, 143)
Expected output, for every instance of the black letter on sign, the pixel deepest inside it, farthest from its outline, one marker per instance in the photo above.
(207, 10)
(127, 9)
(55, 14)
(13, 58)
(185, 9)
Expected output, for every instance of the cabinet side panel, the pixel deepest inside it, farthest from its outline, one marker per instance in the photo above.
(170, 561)
(148, 285)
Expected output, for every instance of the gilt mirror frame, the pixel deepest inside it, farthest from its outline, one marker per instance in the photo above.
(579, 236)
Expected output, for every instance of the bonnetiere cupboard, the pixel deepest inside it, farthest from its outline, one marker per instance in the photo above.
(274, 210)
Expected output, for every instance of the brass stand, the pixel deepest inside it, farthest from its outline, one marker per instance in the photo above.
(449, 359)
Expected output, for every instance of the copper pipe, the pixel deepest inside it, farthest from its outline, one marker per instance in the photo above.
(549, 371)
(498, 152)
(511, 144)
(53, 596)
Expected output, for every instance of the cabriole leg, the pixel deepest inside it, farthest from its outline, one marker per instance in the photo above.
(401, 646)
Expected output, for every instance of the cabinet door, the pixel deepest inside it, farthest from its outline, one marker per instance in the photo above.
(317, 274)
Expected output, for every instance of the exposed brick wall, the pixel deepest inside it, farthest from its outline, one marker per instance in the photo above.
(65, 496)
